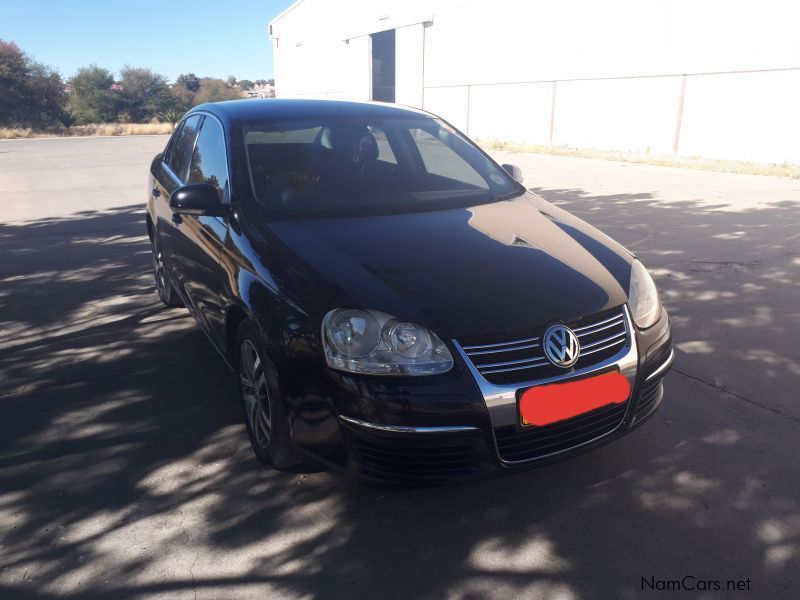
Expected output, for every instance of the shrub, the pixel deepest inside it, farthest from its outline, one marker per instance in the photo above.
(171, 116)
(68, 117)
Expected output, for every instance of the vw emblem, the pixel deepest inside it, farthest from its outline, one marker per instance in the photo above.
(561, 346)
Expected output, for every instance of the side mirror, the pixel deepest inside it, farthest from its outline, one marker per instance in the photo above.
(197, 199)
(515, 172)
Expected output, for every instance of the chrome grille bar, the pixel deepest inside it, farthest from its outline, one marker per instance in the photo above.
(530, 366)
(508, 363)
(525, 341)
(620, 335)
(583, 332)
(590, 326)
(601, 348)
(509, 349)
(526, 355)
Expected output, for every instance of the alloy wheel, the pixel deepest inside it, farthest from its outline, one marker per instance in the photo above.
(158, 271)
(254, 392)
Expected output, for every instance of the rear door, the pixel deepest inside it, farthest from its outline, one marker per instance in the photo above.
(170, 176)
(197, 241)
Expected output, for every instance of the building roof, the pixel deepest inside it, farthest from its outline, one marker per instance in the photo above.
(285, 108)
(285, 12)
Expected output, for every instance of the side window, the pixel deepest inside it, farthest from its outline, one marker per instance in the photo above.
(442, 160)
(181, 149)
(209, 161)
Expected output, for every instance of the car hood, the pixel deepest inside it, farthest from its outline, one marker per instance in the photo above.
(494, 269)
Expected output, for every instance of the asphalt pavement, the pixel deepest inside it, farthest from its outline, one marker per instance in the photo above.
(125, 470)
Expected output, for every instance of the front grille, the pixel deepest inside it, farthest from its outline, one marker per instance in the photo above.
(414, 459)
(535, 442)
(505, 362)
(648, 398)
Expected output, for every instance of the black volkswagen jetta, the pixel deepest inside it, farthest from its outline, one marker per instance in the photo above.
(393, 301)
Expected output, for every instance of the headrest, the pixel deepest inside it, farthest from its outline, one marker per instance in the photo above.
(369, 148)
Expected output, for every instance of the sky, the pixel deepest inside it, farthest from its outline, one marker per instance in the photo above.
(207, 38)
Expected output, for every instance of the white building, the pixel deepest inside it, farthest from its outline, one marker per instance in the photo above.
(713, 78)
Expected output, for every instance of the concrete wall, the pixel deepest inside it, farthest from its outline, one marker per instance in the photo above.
(490, 67)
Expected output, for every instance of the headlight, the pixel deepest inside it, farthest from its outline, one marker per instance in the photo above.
(643, 297)
(371, 342)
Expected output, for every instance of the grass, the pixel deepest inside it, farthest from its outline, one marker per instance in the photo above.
(704, 164)
(8, 133)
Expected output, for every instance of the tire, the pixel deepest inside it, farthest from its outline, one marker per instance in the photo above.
(264, 414)
(166, 291)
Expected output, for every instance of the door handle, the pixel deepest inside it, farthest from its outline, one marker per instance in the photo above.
(155, 193)
(177, 218)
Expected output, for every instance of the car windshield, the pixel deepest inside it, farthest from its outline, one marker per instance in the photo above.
(335, 166)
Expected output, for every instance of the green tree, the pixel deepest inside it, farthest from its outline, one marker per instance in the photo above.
(145, 93)
(13, 76)
(189, 81)
(47, 94)
(246, 84)
(31, 94)
(182, 97)
(230, 81)
(215, 90)
(95, 96)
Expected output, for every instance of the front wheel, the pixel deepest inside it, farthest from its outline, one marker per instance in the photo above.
(166, 291)
(266, 421)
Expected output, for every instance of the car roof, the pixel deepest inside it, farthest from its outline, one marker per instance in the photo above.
(285, 108)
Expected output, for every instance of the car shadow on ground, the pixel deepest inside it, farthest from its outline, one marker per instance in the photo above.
(125, 470)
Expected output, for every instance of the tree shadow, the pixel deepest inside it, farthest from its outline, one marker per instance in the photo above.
(125, 469)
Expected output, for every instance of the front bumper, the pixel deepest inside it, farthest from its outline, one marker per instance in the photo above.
(456, 427)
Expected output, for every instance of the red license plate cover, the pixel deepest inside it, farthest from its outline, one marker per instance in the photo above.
(550, 403)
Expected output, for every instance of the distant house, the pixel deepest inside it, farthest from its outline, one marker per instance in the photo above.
(261, 91)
